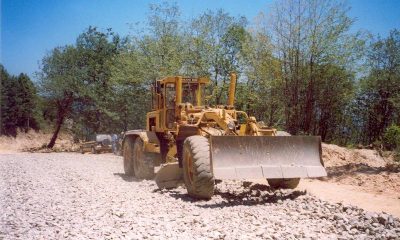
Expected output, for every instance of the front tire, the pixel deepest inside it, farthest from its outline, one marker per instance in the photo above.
(283, 183)
(197, 168)
(128, 157)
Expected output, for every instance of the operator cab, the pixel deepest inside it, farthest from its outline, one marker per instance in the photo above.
(168, 93)
(193, 92)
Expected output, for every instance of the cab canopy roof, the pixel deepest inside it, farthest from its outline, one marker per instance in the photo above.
(184, 80)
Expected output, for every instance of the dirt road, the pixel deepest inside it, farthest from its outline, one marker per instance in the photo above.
(353, 195)
(73, 196)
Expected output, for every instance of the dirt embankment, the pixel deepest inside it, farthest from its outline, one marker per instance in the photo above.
(33, 141)
(364, 168)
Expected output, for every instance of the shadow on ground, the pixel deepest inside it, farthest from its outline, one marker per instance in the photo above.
(250, 194)
(126, 178)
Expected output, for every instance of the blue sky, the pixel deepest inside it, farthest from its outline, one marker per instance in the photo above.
(29, 29)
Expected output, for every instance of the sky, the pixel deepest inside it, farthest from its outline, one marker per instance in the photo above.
(30, 29)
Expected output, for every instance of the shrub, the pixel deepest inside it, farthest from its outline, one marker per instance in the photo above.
(391, 138)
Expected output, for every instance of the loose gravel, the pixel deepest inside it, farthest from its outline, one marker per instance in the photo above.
(75, 196)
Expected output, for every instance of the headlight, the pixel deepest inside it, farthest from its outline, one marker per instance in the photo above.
(231, 126)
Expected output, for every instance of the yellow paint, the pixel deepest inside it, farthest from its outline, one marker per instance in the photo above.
(232, 88)
(178, 90)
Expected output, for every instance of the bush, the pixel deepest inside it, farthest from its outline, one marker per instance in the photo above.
(397, 156)
(391, 138)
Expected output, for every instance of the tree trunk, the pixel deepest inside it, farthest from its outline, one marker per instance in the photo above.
(63, 108)
(60, 121)
(309, 108)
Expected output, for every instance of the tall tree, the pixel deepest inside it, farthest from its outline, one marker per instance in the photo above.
(380, 89)
(131, 94)
(214, 49)
(9, 107)
(27, 99)
(260, 94)
(94, 107)
(160, 47)
(310, 36)
(18, 103)
(60, 83)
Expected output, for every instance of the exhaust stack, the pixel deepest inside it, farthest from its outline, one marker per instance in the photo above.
(232, 88)
(178, 99)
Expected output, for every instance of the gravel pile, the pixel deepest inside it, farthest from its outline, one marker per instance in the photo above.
(74, 196)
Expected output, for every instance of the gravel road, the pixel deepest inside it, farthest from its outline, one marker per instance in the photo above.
(74, 196)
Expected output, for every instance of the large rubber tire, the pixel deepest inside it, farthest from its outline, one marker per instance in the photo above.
(143, 163)
(128, 156)
(197, 172)
(284, 183)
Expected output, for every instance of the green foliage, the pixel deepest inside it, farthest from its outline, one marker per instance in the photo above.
(297, 71)
(391, 138)
(378, 99)
(160, 48)
(76, 82)
(18, 103)
(301, 67)
(214, 47)
(95, 103)
(131, 91)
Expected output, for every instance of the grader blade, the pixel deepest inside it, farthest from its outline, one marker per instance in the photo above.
(252, 157)
(168, 175)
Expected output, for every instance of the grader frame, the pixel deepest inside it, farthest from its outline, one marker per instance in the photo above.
(187, 139)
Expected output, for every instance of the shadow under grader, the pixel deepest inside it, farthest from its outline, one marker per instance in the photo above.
(126, 178)
(253, 194)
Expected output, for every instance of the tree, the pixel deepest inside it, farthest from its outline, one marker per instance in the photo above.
(309, 37)
(297, 70)
(94, 109)
(380, 89)
(9, 107)
(260, 94)
(27, 99)
(161, 46)
(76, 80)
(60, 81)
(214, 48)
(131, 93)
(335, 91)
(18, 103)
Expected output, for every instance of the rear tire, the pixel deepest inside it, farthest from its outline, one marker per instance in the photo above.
(197, 169)
(284, 183)
(128, 156)
(143, 165)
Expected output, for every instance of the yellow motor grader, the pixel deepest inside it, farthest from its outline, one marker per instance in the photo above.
(187, 140)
